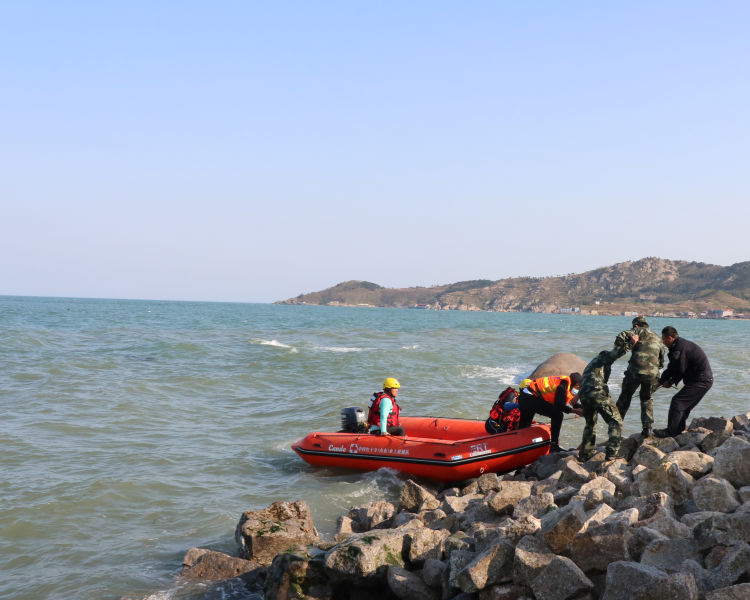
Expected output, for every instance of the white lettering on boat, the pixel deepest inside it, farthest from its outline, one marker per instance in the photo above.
(479, 452)
(457, 457)
(478, 449)
(333, 448)
(357, 449)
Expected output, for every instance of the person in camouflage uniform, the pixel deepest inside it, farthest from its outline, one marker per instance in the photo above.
(646, 359)
(595, 400)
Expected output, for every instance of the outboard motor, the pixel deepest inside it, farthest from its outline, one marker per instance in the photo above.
(353, 419)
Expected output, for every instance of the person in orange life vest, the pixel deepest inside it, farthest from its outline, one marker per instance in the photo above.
(384, 410)
(552, 397)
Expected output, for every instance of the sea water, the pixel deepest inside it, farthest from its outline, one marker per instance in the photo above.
(132, 431)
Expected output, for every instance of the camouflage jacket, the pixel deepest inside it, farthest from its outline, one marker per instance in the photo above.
(647, 357)
(596, 374)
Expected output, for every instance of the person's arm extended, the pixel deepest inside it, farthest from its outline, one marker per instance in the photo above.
(561, 397)
(386, 406)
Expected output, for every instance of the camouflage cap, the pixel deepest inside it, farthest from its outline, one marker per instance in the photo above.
(640, 321)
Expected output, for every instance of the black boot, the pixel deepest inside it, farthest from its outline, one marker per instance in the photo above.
(647, 432)
(662, 433)
(554, 447)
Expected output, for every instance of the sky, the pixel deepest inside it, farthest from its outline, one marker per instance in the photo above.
(252, 151)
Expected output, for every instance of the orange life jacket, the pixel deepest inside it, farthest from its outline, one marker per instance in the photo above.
(546, 387)
(373, 417)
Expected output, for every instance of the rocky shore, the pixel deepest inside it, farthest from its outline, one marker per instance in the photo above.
(669, 519)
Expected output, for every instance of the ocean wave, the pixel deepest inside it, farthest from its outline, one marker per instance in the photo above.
(412, 347)
(507, 375)
(339, 349)
(274, 343)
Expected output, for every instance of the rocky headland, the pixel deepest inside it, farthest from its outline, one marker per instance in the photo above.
(669, 519)
(651, 286)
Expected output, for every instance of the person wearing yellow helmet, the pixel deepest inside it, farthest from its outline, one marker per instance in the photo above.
(384, 410)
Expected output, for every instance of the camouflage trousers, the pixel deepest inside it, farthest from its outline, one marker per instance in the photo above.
(593, 406)
(648, 384)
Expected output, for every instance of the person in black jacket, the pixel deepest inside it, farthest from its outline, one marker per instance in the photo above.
(687, 363)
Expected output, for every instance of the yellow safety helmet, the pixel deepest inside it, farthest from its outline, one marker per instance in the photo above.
(391, 382)
(524, 384)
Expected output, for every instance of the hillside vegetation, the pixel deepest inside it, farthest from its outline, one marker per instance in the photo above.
(648, 286)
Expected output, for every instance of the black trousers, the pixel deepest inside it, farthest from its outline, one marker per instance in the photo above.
(683, 402)
(531, 405)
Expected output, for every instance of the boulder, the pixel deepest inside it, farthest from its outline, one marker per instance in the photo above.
(740, 591)
(364, 558)
(510, 493)
(734, 564)
(732, 461)
(667, 478)
(689, 439)
(416, 498)
(409, 586)
(741, 422)
(563, 363)
(640, 539)
(296, 577)
(629, 581)
(652, 505)
(597, 516)
(263, 534)
(560, 580)
(648, 456)
(456, 563)
(536, 505)
(489, 482)
(432, 572)
(723, 530)
(560, 527)
(515, 529)
(695, 464)
(378, 513)
(424, 544)
(669, 554)
(207, 565)
(531, 557)
(599, 545)
(505, 591)
(494, 565)
(715, 493)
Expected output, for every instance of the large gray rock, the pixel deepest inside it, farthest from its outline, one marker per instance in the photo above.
(634, 581)
(563, 363)
(294, 577)
(416, 498)
(560, 580)
(426, 543)
(409, 586)
(741, 591)
(432, 572)
(652, 505)
(695, 464)
(723, 530)
(505, 591)
(648, 456)
(600, 545)
(536, 506)
(263, 534)
(715, 493)
(364, 558)
(371, 515)
(667, 478)
(515, 529)
(494, 565)
(531, 557)
(561, 526)
(510, 493)
(669, 554)
(201, 565)
(732, 461)
(734, 564)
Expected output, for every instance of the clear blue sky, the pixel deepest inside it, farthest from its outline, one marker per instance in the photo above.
(252, 151)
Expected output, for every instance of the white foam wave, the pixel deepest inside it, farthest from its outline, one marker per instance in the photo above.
(275, 343)
(412, 347)
(506, 375)
(339, 349)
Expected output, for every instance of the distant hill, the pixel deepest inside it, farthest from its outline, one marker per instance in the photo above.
(649, 286)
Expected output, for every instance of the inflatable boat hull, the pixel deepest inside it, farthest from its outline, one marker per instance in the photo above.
(435, 448)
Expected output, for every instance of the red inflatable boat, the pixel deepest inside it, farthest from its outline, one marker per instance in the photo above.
(434, 448)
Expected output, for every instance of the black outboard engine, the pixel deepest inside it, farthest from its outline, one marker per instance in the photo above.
(353, 419)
